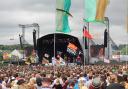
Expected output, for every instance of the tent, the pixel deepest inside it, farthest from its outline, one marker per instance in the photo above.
(16, 53)
(45, 44)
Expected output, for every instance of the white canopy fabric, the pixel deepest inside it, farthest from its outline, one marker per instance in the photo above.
(16, 53)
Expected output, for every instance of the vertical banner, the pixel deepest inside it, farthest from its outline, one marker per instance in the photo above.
(101, 7)
(95, 10)
(62, 13)
(97, 51)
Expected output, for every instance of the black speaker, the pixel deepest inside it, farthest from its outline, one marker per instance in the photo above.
(84, 38)
(34, 39)
(21, 44)
(105, 38)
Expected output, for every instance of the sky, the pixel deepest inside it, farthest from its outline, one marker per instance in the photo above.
(15, 12)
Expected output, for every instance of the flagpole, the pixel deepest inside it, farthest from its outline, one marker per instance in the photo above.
(127, 30)
(88, 46)
(84, 47)
(54, 44)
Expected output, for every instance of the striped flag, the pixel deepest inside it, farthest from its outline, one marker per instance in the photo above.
(62, 13)
(86, 33)
(95, 10)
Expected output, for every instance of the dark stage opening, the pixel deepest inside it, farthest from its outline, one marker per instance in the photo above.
(45, 44)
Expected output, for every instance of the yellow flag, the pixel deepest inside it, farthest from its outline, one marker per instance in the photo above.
(101, 7)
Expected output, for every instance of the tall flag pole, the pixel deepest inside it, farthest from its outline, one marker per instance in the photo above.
(94, 12)
(86, 37)
(127, 29)
(62, 14)
(127, 18)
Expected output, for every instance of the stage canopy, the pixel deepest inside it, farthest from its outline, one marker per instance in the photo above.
(45, 45)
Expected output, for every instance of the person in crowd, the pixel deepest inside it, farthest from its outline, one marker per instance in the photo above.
(96, 83)
(45, 60)
(78, 60)
(57, 85)
(38, 83)
(46, 83)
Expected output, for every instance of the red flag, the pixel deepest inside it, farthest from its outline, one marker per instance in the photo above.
(86, 33)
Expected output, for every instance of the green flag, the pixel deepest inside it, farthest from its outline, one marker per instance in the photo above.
(95, 10)
(62, 13)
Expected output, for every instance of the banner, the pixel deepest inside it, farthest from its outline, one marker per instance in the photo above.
(97, 51)
(62, 13)
(71, 48)
(95, 10)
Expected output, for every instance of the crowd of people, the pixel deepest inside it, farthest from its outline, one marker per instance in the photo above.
(64, 77)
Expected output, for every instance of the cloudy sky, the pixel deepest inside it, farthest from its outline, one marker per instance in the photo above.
(14, 12)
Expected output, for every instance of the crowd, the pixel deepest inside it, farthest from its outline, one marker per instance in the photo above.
(64, 77)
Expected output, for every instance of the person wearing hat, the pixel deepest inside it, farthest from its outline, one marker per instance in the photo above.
(96, 83)
(38, 83)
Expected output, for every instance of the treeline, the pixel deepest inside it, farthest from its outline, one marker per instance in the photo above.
(122, 48)
(12, 47)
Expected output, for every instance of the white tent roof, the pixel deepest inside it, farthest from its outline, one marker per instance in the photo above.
(16, 53)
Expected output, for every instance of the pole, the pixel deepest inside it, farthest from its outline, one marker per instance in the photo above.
(88, 51)
(84, 48)
(54, 44)
(23, 33)
(38, 31)
(108, 40)
(127, 32)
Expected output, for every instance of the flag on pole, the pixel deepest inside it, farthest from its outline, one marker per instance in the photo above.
(86, 33)
(62, 13)
(95, 10)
